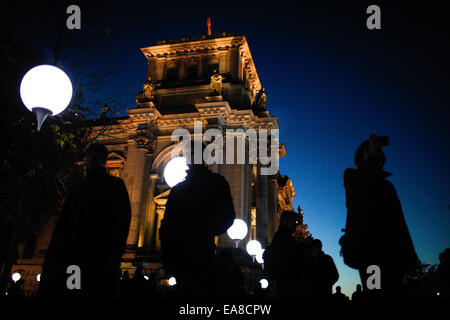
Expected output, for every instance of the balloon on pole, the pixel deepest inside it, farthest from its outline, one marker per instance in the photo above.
(237, 231)
(45, 90)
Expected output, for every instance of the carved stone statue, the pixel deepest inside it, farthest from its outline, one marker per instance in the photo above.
(216, 83)
(149, 89)
(261, 100)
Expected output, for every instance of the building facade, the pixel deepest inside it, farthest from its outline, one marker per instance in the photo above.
(208, 80)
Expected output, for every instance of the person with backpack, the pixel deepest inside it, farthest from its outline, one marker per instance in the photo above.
(376, 232)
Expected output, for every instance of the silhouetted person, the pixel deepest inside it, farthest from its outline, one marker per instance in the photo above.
(260, 294)
(376, 231)
(15, 290)
(231, 281)
(338, 295)
(224, 266)
(305, 267)
(281, 259)
(125, 285)
(198, 209)
(358, 294)
(151, 287)
(323, 273)
(91, 233)
(138, 285)
(238, 288)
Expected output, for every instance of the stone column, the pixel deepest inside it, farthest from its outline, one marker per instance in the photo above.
(200, 67)
(223, 62)
(149, 229)
(135, 173)
(182, 70)
(272, 212)
(261, 207)
(240, 65)
(234, 178)
(223, 240)
(160, 66)
(160, 209)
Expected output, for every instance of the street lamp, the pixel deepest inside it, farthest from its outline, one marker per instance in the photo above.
(237, 231)
(253, 248)
(45, 90)
(38, 278)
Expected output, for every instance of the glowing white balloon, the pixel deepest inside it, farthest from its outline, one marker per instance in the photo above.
(175, 171)
(259, 256)
(16, 276)
(264, 283)
(46, 86)
(253, 247)
(172, 281)
(238, 230)
(45, 90)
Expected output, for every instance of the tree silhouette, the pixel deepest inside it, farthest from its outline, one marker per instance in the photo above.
(37, 168)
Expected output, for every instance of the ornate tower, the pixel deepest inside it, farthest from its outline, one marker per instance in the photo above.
(212, 80)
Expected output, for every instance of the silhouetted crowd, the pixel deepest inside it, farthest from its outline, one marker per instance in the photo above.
(298, 267)
(201, 208)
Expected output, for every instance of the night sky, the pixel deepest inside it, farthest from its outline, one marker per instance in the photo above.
(330, 81)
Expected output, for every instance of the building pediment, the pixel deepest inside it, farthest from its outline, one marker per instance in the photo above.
(116, 155)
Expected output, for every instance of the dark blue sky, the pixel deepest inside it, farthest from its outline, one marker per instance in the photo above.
(331, 82)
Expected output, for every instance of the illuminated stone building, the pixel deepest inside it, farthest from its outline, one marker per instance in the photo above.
(178, 91)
